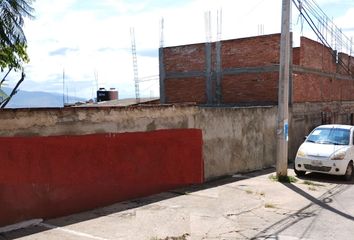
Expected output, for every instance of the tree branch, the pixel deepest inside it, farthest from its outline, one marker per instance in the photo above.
(4, 78)
(14, 91)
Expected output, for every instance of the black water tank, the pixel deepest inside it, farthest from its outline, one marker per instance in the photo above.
(107, 95)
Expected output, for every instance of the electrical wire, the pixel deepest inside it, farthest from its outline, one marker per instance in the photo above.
(311, 12)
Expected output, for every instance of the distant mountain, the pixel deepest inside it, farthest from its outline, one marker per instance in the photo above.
(27, 99)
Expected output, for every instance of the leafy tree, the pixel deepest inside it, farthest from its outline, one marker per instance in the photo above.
(13, 43)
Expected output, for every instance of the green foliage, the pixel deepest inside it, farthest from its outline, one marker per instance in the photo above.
(13, 56)
(13, 43)
(283, 179)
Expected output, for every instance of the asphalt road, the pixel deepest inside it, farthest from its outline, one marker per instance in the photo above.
(330, 216)
(244, 206)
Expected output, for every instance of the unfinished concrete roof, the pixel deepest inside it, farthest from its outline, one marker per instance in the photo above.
(122, 102)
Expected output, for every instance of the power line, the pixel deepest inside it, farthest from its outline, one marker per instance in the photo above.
(313, 14)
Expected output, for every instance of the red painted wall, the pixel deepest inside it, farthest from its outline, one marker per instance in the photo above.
(43, 177)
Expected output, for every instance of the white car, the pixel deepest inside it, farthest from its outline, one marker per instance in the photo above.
(328, 149)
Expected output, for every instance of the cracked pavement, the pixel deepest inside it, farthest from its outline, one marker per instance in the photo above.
(245, 206)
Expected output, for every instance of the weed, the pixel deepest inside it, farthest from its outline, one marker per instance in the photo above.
(269, 205)
(249, 191)
(311, 188)
(262, 194)
(183, 237)
(283, 179)
(310, 183)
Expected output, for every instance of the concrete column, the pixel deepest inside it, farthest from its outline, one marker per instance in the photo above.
(283, 92)
(218, 72)
(208, 73)
(162, 76)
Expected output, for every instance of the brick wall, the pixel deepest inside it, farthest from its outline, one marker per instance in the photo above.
(249, 72)
(250, 87)
(190, 63)
(296, 56)
(348, 62)
(315, 55)
(184, 58)
(315, 88)
(323, 80)
(185, 90)
(251, 52)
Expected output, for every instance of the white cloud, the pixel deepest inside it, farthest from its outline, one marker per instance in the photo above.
(346, 22)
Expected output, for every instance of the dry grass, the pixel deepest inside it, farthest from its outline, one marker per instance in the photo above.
(269, 205)
(248, 191)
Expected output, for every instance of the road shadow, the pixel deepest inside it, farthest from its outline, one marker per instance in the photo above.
(326, 178)
(124, 206)
(273, 231)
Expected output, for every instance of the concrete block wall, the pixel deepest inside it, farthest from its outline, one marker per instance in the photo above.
(231, 122)
(237, 139)
(42, 149)
(304, 117)
(71, 147)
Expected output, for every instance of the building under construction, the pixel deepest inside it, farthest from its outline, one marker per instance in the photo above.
(246, 71)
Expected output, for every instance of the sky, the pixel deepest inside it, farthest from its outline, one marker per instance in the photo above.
(90, 42)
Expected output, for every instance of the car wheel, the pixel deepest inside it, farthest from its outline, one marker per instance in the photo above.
(299, 173)
(349, 172)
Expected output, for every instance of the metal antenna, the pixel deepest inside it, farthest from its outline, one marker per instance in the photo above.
(96, 79)
(219, 24)
(135, 65)
(207, 16)
(63, 87)
(162, 33)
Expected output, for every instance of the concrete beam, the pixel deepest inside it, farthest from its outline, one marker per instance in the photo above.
(301, 69)
(233, 71)
(228, 71)
(191, 74)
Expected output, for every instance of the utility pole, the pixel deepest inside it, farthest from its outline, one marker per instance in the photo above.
(283, 92)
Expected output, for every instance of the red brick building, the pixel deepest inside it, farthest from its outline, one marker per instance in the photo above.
(246, 71)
